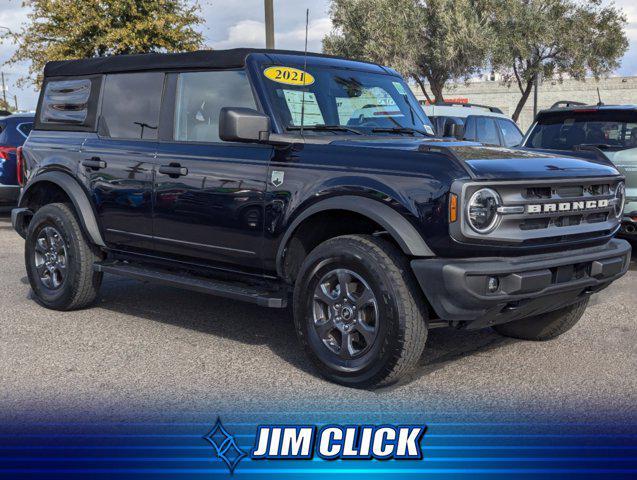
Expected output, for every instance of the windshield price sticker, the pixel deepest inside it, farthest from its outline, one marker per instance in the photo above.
(288, 76)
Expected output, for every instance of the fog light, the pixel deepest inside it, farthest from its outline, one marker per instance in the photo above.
(493, 284)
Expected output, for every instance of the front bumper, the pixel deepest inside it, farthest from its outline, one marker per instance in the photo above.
(528, 285)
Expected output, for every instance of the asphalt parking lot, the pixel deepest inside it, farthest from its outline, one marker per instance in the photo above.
(153, 351)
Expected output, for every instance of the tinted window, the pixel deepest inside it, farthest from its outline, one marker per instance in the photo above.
(66, 101)
(130, 107)
(487, 131)
(605, 129)
(200, 97)
(470, 129)
(510, 133)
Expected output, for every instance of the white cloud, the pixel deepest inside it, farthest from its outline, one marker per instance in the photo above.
(251, 33)
(246, 33)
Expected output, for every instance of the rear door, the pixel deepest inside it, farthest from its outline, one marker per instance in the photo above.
(118, 160)
(209, 194)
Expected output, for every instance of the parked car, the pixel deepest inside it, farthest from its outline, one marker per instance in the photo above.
(14, 130)
(480, 123)
(607, 131)
(199, 170)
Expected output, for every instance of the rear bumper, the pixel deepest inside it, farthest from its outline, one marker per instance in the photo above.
(9, 194)
(528, 285)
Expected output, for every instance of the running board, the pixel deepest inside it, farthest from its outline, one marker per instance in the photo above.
(259, 296)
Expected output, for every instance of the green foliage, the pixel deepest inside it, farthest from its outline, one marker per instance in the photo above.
(553, 39)
(437, 40)
(66, 29)
(444, 40)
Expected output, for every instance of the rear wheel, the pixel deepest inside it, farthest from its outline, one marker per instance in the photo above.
(546, 326)
(357, 311)
(59, 260)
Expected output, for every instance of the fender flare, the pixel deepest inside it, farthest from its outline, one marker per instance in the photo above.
(78, 196)
(398, 227)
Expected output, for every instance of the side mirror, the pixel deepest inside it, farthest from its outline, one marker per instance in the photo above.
(243, 125)
(455, 130)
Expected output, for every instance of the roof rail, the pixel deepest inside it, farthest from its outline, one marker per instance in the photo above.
(567, 104)
(462, 104)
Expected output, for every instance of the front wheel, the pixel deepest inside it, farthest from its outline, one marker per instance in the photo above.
(357, 311)
(59, 260)
(546, 326)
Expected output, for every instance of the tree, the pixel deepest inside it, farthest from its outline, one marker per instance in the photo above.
(434, 40)
(554, 39)
(66, 29)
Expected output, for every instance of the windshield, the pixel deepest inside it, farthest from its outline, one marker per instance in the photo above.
(605, 129)
(346, 101)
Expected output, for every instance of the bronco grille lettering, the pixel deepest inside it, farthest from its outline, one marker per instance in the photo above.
(568, 206)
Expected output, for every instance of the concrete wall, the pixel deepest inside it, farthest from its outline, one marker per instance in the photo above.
(616, 90)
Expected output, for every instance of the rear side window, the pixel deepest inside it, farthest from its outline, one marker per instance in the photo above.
(487, 131)
(130, 105)
(68, 104)
(200, 98)
(510, 133)
(470, 129)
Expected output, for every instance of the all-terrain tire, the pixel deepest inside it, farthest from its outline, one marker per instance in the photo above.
(80, 284)
(401, 315)
(546, 326)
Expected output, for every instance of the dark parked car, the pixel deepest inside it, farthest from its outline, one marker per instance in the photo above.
(479, 123)
(14, 130)
(607, 131)
(265, 176)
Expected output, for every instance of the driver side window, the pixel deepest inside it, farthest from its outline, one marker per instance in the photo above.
(201, 96)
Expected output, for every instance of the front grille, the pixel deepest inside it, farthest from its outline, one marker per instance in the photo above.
(535, 211)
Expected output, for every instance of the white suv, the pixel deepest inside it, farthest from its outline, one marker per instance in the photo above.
(483, 124)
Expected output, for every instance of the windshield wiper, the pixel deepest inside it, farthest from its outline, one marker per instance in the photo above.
(326, 128)
(400, 130)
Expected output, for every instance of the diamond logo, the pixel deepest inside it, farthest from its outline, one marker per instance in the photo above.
(225, 446)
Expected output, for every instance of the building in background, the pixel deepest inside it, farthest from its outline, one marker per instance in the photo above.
(615, 90)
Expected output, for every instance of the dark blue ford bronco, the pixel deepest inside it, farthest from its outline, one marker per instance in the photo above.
(273, 177)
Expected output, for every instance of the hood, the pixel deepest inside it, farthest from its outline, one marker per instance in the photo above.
(498, 163)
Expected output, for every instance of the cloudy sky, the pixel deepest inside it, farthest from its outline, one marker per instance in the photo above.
(235, 23)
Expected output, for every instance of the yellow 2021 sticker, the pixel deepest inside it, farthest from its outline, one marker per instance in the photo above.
(288, 76)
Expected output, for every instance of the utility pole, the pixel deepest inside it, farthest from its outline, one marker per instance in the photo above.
(4, 92)
(269, 24)
(15, 101)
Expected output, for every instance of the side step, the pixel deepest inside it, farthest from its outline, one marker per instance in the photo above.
(258, 295)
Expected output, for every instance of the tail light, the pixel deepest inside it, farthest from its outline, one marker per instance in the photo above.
(20, 167)
(5, 151)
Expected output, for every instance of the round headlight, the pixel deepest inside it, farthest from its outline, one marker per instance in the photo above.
(620, 199)
(482, 210)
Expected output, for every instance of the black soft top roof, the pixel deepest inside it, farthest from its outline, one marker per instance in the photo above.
(234, 58)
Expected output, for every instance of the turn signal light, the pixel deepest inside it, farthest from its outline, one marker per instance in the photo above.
(453, 207)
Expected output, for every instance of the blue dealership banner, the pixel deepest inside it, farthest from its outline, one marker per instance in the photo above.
(321, 444)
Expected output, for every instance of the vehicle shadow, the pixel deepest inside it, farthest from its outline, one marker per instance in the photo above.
(252, 325)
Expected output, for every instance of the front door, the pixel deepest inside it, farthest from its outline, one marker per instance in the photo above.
(119, 160)
(209, 194)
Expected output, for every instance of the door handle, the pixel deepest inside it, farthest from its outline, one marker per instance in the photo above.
(94, 163)
(173, 171)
